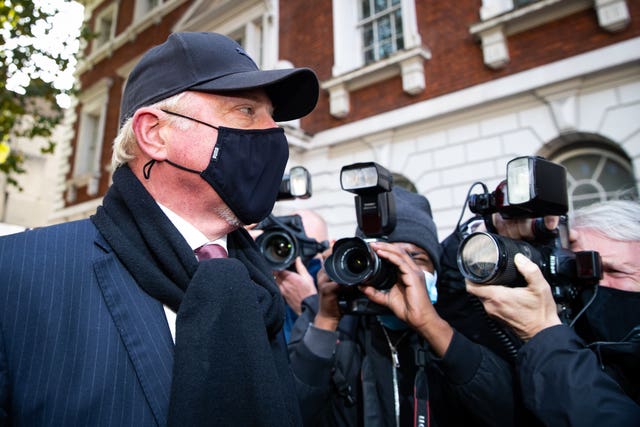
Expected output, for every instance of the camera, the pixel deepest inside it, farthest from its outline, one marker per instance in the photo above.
(284, 239)
(487, 258)
(352, 261)
(534, 188)
(295, 185)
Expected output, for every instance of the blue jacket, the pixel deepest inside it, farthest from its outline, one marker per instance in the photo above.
(80, 342)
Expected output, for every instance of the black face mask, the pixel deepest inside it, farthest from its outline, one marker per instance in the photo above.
(611, 315)
(245, 168)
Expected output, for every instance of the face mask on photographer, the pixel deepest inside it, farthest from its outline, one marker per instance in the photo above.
(245, 168)
(390, 321)
(611, 315)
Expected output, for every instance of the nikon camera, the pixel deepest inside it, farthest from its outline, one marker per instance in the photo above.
(534, 188)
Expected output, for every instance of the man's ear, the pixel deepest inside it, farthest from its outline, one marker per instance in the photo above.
(146, 126)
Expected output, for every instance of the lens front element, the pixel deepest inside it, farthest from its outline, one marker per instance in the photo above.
(479, 257)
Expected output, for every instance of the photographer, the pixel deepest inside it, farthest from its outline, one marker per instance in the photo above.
(405, 366)
(299, 283)
(589, 374)
(293, 246)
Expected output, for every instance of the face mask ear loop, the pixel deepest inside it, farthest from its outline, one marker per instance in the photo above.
(146, 169)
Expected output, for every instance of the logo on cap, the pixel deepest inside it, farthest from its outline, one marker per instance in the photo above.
(242, 52)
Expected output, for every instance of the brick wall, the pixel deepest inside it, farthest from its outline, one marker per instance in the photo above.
(107, 69)
(457, 61)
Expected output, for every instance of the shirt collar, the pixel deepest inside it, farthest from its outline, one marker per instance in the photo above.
(194, 237)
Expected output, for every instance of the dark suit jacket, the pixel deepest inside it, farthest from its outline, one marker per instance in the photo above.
(80, 343)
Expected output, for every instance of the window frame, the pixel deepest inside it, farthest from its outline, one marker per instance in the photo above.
(87, 168)
(374, 19)
(349, 71)
(99, 43)
(604, 155)
(143, 9)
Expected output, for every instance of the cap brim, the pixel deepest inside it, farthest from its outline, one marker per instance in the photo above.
(293, 92)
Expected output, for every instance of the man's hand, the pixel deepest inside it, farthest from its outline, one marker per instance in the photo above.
(527, 310)
(409, 300)
(521, 228)
(295, 285)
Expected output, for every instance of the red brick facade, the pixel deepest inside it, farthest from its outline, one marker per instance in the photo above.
(306, 39)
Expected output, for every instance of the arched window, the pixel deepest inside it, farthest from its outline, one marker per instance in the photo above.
(595, 174)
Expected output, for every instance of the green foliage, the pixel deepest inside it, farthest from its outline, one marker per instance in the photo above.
(28, 105)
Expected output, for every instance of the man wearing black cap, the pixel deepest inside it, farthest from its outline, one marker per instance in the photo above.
(403, 367)
(115, 320)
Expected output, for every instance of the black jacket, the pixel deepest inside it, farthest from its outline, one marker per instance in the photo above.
(352, 383)
(565, 383)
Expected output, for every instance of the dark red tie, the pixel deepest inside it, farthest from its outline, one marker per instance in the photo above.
(210, 250)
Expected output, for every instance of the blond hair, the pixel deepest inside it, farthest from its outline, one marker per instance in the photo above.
(615, 219)
(125, 145)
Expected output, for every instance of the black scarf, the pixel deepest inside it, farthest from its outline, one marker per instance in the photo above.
(230, 362)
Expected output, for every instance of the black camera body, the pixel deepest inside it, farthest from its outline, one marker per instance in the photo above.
(283, 240)
(534, 188)
(487, 258)
(353, 262)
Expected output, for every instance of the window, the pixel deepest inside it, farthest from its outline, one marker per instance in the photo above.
(252, 23)
(144, 7)
(88, 149)
(384, 34)
(105, 23)
(520, 3)
(597, 174)
(250, 37)
(381, 28)
(105, 26)
(375, 28)
(89, 138)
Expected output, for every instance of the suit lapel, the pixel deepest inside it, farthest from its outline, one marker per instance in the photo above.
(142, 325)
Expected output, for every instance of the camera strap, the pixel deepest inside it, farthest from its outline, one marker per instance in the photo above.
(422, 410)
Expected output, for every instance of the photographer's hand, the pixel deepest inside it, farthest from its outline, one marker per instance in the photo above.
(521, 228)
(408, 298)
(295, 285)
(328, 311)
(527, 310)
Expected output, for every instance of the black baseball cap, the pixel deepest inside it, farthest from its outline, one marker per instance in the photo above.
(211, 62)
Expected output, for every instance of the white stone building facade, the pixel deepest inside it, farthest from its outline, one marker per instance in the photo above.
(588, 104)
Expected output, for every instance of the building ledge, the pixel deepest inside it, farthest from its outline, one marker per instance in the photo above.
(493, 33)
(408, 63)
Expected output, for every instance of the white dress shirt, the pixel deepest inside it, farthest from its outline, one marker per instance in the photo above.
(195, 238)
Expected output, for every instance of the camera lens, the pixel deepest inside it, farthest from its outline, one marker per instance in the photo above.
(488, 259)
(356, 261)
(278, 248)
(353, 262)
(480, 256)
